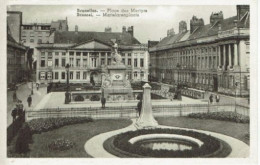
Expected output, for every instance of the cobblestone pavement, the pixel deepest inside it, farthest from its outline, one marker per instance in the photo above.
(23, 92)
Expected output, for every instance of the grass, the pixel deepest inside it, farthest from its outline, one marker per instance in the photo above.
(77, 133)
(236, 130)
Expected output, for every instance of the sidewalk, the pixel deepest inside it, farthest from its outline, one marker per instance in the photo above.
(23, 91)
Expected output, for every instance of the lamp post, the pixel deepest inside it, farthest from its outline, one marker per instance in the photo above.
(67, 94)
(32, 89)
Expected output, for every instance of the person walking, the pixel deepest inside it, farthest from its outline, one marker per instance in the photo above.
(37, 86)
(20, 108)
(29, 100)
(139, 107)
(103, 102)
(211, 99)
(14, 96)
(217, 98)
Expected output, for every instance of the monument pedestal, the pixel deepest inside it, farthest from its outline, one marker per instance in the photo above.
(146, 119)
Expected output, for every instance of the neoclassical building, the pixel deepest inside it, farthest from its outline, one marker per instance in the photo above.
(212, 57)
(89, 54)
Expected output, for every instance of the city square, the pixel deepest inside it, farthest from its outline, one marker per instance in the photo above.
(124, 91)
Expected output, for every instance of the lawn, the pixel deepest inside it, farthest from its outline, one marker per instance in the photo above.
(77, 133)
(236, 130)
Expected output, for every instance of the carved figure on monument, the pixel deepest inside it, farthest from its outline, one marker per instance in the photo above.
(107, 81)
(115, 55)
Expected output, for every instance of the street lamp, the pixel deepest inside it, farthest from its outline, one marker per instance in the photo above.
(32, 89)
(67, 94)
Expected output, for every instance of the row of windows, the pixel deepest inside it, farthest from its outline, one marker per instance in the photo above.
(29, 27)
(62, 75)
(103, 54)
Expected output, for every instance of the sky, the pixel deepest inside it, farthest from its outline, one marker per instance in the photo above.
(150, 25)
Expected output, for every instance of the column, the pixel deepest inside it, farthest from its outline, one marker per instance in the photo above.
(88, 60)
(229, 56)
(106, 59)
(235, 55)
(224, 57)
(219, 56)
(99, 59)
(81, 60)
(75, 57)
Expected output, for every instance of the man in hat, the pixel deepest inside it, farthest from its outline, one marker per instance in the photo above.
(29, 100)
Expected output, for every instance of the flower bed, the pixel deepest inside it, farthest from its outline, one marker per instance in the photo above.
(226, 116)
(43, 125)
(60, 144)
(120, 144)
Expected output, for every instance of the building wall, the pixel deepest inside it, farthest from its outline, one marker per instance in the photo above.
(14, 21)
(203, 66)
(86, 64)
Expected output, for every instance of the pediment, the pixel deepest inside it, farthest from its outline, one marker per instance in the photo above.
(92, 45)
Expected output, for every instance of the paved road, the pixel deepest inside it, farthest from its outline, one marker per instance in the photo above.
(23, 92)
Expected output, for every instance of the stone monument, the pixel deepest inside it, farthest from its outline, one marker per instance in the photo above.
(115, 83)
(146, 119)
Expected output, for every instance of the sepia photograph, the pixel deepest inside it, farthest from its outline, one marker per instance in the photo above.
(128, 81)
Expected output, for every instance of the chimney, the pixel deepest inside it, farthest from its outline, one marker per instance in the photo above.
(76, 28)
(241, 11)
(108, 29)
(170, 32)
(214, 17)
(130, 30)
(182, 27)
(195, 23)
(123, 29)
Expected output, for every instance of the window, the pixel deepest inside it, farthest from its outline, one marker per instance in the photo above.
(129, 75)
(123, 54)
(85, 53)
(129, 54)
(135, 62)
(56, 53)
(56, 76)
(78, 75)
(31, 40)
(63, 75)
(94, 62)
(42, 75)
(123, 61)
(39, 41)
(42, 63)
(49, 58)
(129, 62)
(71, 53)
(135, 74)
(43, 54)
(45, 28)
(103, 54)
(109, 61)
(84, 75)
(142, 74)
(72, 62)
(78, 62)
(78, 53)
(49, 75)
(63, 62)
(71, 75)
(102, 61)
(63, 53)
(56, 62)
(85, 62)
(141, 62)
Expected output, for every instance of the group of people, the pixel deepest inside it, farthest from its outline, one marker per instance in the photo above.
(211, 97)
(19, 108)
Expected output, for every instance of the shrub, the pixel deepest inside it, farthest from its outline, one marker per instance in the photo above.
(225, 116)
(79, 98)
(156, 97)
(60, 144)
(94, 98)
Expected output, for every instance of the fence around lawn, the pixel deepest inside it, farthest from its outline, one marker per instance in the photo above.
(130, 111)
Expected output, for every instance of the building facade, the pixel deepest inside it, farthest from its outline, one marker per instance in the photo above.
(16, 60)
(89, 54)
(212, 57)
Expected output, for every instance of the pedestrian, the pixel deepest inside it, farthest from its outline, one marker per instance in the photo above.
(14, 113)
(29, 100)
(139, 107)
(211, 98)
(103, 102)
(217, 98)
(14, 96)
(37, 86)
(20, 108)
